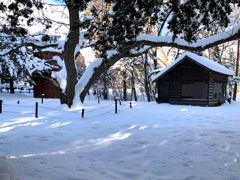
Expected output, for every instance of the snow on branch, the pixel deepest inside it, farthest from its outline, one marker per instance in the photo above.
(146, 42)
(150, 41)
(234, 80)
(33, 43)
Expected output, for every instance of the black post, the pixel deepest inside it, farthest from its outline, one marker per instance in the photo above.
(36, 110)
(130, 105)
(42, 97)
(82, 113)
(98, 99)
(116, 105)
(0, 106)
(120, 103)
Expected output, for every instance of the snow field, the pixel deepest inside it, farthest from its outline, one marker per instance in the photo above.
(147, 142)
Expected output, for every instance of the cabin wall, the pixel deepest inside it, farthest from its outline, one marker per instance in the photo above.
(217, 79)
(183, 78)
(192, 84)
(44, 86)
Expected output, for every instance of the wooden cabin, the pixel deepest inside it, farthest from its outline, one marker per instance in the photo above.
(193, 80)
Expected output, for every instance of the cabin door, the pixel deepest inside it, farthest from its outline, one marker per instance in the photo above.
(163, 92)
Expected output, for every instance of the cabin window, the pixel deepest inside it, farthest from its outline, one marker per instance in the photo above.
(187, 91)
(219, 90)
(196, 90)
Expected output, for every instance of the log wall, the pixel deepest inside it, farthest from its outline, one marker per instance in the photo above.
(190, 74)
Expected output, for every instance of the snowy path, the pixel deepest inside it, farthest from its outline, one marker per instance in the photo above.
(148, 142)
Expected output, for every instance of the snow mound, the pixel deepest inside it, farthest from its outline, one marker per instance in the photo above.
(7, 171)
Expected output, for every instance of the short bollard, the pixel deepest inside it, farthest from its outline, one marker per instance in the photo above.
(82, 113)
(36, 110)
(42, 97)
(116, 100)
(0, 106)
(130, 105)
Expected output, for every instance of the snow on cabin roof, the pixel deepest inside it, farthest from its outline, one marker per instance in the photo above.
(207, 63)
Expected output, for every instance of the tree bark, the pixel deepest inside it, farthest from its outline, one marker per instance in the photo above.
(155, 62)
(124, 85)
(105, 85)
(236, 73)
(134, 93)
(69, 56)
(146, 79)
(58, 90)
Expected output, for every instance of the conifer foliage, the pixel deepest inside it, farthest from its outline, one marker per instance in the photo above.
(126, 19)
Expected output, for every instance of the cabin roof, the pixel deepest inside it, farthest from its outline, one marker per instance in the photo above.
(207, 63)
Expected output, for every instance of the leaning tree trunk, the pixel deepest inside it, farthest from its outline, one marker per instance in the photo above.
(69, 56)
(106, 64)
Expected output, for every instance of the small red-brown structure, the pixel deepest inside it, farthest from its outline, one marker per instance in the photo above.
(44, 86)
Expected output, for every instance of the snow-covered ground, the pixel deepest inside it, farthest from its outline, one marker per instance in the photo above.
(147, 142)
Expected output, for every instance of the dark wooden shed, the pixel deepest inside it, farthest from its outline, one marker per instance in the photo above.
(193, 80)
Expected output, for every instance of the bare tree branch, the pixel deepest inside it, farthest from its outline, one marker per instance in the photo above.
(200, 45)
(148, 42)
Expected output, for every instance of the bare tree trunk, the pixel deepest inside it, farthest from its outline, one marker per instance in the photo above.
(133, 93)
(146, 79)
(155, 63)
(236, 73)
(101, 68)
(69, 57)
(104, 81)
(58, 90)
(105, 93)
(124, 85)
